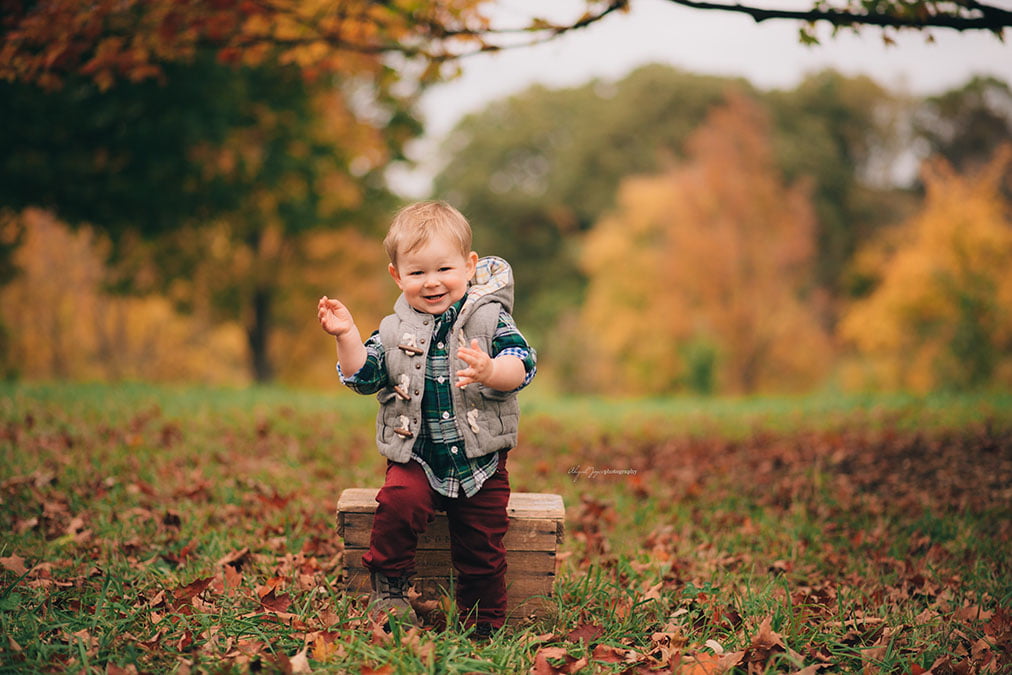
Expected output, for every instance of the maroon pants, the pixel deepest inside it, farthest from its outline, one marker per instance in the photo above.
(407, 504)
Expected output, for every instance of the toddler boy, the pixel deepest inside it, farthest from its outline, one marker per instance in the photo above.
(447, 365)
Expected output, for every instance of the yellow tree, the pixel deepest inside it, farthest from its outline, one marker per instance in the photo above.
(701, 273)
(941, 314)
(58, 321)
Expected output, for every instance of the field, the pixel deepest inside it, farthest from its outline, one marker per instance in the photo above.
(149, 529)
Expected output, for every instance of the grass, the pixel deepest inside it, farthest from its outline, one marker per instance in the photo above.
(157, 529)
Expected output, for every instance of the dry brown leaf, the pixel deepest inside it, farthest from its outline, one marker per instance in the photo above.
(191, 590)
(585, 632)
(299, 663)
(700, 664)
(15, 564)
(541, 660)
(610, 654)
(235, 559)
(810, 670)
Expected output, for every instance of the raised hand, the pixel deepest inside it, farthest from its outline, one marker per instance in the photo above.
(480, 365)
(334, 317)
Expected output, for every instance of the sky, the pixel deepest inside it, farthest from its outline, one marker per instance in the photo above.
(768, 54)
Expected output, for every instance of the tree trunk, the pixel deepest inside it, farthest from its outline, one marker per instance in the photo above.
(258, 334)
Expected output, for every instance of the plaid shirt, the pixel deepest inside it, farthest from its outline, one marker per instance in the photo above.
(439, 447)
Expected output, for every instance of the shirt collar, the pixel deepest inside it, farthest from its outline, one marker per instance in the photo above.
(445, 320)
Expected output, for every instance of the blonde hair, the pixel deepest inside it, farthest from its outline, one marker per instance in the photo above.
(416, 224)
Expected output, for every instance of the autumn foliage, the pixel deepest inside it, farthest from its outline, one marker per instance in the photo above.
(132, 40)
(708, 268)
(70, 326)
(941, 314)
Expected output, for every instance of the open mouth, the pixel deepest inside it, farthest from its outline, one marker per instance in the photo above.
(434, 298)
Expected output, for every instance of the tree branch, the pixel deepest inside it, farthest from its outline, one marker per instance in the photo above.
(986, 17)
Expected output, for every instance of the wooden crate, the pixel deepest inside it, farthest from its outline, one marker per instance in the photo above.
(535, 532)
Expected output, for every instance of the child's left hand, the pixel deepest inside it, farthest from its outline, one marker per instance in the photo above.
(480, 365)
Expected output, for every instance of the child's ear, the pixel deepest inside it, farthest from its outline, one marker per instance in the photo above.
(472, 264)
(392, 268)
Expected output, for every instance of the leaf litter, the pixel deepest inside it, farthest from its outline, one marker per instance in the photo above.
(803, 552)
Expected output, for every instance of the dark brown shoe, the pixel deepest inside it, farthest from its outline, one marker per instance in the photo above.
(389, 597)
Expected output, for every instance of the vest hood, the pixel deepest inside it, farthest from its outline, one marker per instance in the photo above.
(493, 281)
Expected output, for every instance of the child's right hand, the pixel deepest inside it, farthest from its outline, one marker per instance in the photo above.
(334, 317)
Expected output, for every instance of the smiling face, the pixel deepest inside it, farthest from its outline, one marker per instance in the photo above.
(434, 275)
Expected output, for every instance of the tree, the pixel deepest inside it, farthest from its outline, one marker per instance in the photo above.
(940, 314)
(45, 42)
(58, 321)
(191, 122)
(966, 125)
(42, 42)
(707, 267)
(844, 134)
(535, 171)
(251, 158)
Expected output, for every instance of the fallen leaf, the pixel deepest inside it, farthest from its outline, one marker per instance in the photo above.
(235, 559)
(15, 564)
(194, 588)
(700, 664)
(609, 654)
(382, 670)
(300, 663)
(652, 593)
(814, 669)
(542, 665)
(276, 603)
(326, 646)
(585, 632)
(767, 639)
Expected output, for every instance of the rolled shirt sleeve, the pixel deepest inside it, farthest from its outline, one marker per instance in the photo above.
(372, 376)
(509, 340)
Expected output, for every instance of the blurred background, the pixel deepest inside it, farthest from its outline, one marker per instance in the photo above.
(692, 202)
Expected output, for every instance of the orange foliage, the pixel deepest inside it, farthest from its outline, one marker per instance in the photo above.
(941, 315)
(60, 324)
(132, 39)
(712, 257)
(339, 263)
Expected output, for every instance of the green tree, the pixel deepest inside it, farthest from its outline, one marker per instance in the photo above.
(967, 124)
(844, 133)
(533, 172)
(252, 157)
(224, 131)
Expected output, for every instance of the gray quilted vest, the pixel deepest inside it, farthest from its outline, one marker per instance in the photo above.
(487, 419)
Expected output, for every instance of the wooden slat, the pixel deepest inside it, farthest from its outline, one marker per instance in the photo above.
(437, 563)
(521, 504)
(523, 535)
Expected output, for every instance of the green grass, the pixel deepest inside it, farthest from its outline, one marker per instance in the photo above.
(847, 532)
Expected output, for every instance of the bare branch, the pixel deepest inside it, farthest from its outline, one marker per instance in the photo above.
(980, 16)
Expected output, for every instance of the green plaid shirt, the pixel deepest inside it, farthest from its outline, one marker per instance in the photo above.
(439, 447)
